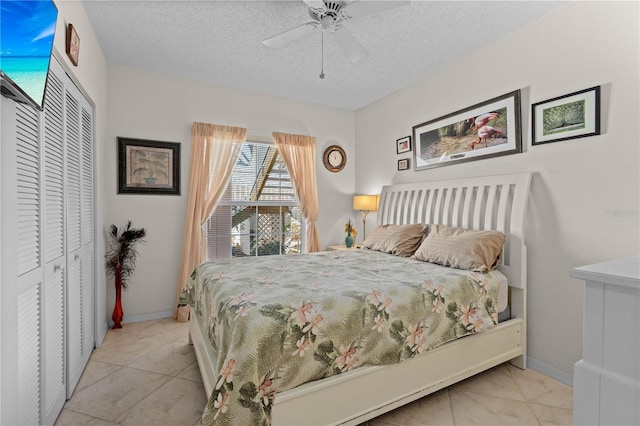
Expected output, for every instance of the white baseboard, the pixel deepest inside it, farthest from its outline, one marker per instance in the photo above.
(550, 371)
(145, 317)
(102, 329)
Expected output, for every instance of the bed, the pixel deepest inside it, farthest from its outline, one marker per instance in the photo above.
(335, 395)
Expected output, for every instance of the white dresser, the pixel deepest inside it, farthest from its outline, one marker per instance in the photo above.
(606, 382)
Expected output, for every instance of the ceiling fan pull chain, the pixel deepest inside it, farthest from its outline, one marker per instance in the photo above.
(322, 57)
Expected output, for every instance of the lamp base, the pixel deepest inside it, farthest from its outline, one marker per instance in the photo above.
(364, 214)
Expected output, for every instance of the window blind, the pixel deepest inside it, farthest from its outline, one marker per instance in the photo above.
(258, 215)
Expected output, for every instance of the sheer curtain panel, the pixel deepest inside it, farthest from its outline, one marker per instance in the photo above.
(299, 154)
(214, 152)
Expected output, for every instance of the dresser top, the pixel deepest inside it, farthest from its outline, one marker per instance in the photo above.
(624, 272)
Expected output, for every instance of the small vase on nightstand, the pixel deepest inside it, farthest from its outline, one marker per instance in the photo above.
(348, 241)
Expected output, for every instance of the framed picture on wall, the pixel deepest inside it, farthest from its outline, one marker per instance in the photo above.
(403, 145)
(571, 116)
(403, 164)
(72, 44)
(148, 167)
(488, 129)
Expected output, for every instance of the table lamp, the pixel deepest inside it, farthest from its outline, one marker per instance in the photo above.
(366, 204)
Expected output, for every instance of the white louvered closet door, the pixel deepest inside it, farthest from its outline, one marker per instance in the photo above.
(79, 233)
(53, 324)
(74, 262)
(87, 230)
(29, 264)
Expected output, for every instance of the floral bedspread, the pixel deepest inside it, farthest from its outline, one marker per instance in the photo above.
(279, 321)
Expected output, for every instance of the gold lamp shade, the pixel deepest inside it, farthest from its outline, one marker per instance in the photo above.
(365, 202)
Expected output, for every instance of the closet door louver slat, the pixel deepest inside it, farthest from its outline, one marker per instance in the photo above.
(74, 313)
(87, 305)
(54, 380)
(87, 231)
(53, 171)
(29, 356)
(72, 139)
(28, 181)
(87, 177)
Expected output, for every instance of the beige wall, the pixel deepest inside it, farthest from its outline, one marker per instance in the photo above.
(91, 76)
(578, 183)
(161, 107)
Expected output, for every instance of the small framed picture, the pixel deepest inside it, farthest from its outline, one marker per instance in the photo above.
(403, 145)
(403, 164)
(148, 167)
(571, 116)
(73, 45)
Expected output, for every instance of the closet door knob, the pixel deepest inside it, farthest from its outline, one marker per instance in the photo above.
(57, 268)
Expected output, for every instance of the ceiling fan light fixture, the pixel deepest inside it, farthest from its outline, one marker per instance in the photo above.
(328, 23)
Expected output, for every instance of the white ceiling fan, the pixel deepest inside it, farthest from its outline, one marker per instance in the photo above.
(330, 16)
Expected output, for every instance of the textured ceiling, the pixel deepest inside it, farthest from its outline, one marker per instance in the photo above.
(220, 42)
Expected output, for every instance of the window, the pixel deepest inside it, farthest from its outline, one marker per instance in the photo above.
(258, 215)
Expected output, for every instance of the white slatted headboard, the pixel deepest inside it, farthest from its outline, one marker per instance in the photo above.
(488, 202)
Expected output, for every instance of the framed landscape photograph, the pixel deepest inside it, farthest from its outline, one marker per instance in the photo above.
(485, 130)
(403, 164)
(148, 167)
(403, 145)
(571, 116)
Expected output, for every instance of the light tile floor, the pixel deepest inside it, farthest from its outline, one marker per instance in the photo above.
(146, 374)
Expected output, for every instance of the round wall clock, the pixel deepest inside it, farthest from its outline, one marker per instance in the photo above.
(334, 158)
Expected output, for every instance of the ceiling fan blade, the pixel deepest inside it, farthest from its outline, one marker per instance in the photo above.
(282, 39)
(315, 4)
(349, 45)
(368, 7)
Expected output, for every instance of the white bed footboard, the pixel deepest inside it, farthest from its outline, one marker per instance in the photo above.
(367, 392)
(491, 202)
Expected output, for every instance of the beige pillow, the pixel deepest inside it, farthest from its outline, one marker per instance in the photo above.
(460, 248)
(401, 240)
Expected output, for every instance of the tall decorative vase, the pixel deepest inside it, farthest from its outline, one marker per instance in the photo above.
(348, 241)
(117, 308)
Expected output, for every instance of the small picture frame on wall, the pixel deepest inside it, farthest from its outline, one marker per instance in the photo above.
(403, 145)
(571, 116)
(148, 167)
(73, 45)
(403, 164)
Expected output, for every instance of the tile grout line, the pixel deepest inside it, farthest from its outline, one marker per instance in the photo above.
(88, 415)
(494, 396)
(453, 414)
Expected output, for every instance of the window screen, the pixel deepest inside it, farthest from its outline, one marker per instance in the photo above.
(258, 215)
